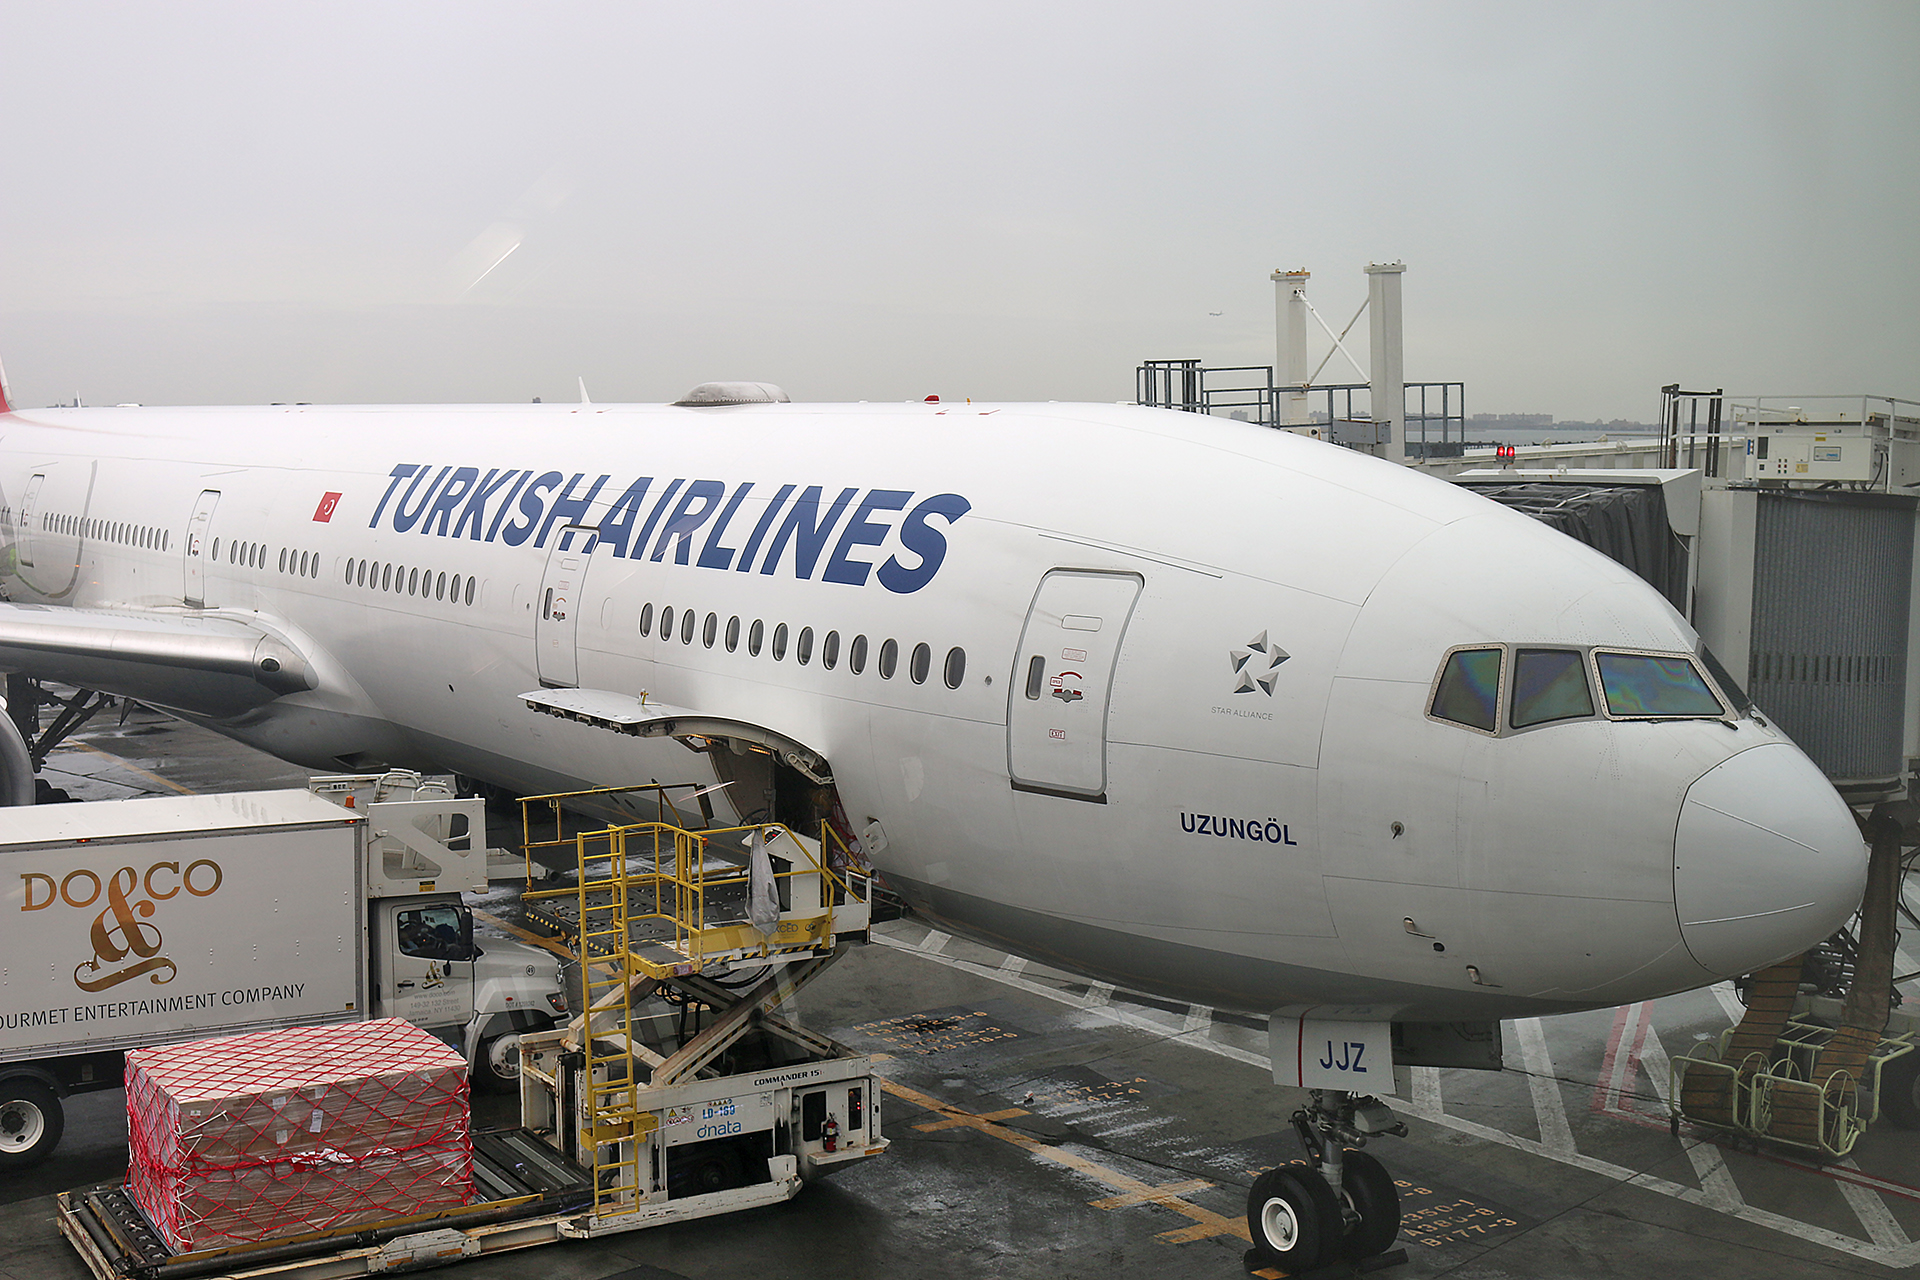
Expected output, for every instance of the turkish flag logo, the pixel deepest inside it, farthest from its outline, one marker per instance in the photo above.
(323, 513)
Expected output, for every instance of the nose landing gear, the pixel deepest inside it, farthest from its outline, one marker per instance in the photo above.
(1339, 1204)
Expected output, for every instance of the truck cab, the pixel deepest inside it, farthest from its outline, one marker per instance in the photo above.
(424, 848)
(479, 995)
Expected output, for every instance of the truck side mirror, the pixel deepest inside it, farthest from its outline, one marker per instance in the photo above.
(468, 951)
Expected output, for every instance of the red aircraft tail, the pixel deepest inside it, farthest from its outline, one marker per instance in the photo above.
(6, 401)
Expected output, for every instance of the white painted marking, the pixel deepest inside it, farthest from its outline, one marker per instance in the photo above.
(1426, 1089)
(1549, 1108)
(1099, 994)
(1872, 1212)
(1199, 1019)
(1724, 993)
(1895, 1257)
(935, 942)
(1014, 965)
(1716, 1180)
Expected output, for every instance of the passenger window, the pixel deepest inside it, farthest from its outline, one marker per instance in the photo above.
(687, 619)
(889, 658)
(1643, 684)
(646, 619)
(956, 667)
(1549, 684)
(440, 587)
(413, 582)
(386, 577)
(804, 650)
(1469, 689)
(780, 642)
(857, 655)
(922, 663)
(733, 633)
(754, 637)
(708, 632)
(283, 559)
(666, 623)
(469, 596)
(1036, 676)
(830, 650)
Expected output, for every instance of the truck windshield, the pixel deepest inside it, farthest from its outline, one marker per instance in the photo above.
(1642, 684)
(434, 933)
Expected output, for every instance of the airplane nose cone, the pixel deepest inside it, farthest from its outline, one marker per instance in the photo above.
(1767, 860)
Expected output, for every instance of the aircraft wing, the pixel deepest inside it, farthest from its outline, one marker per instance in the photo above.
(199, 663)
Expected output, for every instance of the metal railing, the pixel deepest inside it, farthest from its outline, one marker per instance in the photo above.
(1434, 413)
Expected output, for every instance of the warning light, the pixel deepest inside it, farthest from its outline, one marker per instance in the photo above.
(932, 400)
(1504, 452)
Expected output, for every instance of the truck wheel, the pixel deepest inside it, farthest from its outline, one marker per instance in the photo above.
(496, 1068)
(31, 1121)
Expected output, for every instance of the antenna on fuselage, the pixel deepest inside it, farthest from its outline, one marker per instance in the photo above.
(583, 391)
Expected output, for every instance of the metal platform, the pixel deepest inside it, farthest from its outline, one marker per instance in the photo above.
(516, 1177)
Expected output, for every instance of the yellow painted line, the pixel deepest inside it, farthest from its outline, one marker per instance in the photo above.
(1205, 1221)
(1158, 1195)
(131, 767)
(937, 1125)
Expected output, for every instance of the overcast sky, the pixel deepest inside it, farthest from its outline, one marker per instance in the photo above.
(233, 203)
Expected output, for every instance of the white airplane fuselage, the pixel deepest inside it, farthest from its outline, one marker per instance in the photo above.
(1170, 726)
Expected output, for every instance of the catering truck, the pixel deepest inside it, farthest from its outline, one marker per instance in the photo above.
(129, 923)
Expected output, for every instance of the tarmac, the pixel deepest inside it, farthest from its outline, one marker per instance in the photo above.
(1045, 1126)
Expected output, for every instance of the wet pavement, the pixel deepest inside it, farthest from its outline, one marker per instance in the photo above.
(1044, 1126)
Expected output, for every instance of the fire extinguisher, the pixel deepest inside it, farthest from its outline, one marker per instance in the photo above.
(830, 1135)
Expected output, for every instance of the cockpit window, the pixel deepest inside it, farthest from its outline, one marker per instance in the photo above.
(1469, 689)
(1549, 684)
(1644, 684)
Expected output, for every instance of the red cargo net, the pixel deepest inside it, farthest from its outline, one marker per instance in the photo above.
(282, 1133)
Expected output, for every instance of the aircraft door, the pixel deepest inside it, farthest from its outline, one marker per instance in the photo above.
(1062, 678)
(24, 540)
(429, 963)
(194, 547)
(556, 621)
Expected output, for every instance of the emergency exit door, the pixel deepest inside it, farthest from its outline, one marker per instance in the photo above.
(1062, 680)
(29, 509)
(556, 619)
(194, 545)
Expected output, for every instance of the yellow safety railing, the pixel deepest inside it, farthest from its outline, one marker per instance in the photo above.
(554, 804)
(663, 873)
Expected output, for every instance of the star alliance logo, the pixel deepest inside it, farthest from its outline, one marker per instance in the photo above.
(1258, 665)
